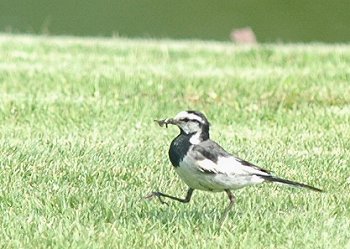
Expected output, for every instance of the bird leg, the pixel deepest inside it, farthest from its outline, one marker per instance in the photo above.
(232, 199)
(159, 195)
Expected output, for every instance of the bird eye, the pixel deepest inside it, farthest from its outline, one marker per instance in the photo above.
(185, 119)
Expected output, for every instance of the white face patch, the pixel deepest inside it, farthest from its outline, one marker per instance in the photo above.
(189, 122)
(190, 127)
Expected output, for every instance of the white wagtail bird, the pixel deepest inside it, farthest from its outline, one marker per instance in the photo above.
(204, 165)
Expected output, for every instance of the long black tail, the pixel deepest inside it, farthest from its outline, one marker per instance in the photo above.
(288, 182)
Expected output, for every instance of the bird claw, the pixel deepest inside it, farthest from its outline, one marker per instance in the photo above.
(162, 122)
(158, 195)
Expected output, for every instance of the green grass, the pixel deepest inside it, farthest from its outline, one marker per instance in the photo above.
(79, 148)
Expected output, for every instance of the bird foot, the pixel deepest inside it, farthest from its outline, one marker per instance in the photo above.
(156, 194)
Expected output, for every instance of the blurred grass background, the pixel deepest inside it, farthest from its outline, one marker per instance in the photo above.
(79, 147)
(271, 20)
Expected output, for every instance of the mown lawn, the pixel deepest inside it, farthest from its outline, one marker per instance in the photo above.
(79, 148)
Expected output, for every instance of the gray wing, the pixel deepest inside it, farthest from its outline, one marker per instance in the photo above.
(212, 158)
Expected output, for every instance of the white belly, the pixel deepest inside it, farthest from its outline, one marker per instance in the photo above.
(214, 182)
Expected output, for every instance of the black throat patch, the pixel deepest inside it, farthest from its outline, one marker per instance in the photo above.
(179, 148)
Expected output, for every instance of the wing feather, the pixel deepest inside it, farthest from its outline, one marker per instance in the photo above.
(211, 158)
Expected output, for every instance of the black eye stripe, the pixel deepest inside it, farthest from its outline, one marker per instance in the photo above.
(192, 120)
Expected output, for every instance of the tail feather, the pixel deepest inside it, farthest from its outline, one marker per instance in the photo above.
(271, 178)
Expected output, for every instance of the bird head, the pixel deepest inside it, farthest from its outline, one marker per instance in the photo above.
(190, 123)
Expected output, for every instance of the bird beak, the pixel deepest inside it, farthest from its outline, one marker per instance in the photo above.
(171, 121)
(166, 122)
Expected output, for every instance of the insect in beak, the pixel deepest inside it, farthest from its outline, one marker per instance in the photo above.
(165, 122)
